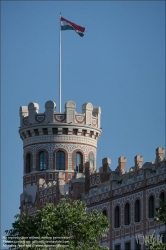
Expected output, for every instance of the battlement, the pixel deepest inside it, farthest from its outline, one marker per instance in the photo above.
(51, 123)
(29, 115)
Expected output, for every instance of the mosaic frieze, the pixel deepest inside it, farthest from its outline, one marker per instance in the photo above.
(97, 198)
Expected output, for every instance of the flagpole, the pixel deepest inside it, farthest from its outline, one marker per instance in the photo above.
(60, 76)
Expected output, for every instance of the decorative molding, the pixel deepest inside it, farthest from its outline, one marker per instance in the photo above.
(94, 121)
(151, 181)
(118, 192)
(162, 177)
(60, 138)
(40, 118)
(26, 120)
(60, 117)
(97, 198)
(80, 118)
(128, 189)
(95, 180)
(137, 185)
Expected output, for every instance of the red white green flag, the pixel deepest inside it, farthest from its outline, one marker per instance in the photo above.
(67, 25)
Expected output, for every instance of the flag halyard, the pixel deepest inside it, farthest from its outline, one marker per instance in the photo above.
(67, 25)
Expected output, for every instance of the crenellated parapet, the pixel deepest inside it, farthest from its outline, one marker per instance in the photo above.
(123, 181)
(57, 125)
(29, 115)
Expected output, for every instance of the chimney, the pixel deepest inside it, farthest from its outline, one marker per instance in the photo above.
(138, 159)
(122, 164)
(159, 154)
(106, 163)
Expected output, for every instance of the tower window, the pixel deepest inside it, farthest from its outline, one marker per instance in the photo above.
(117, 217)
(42, 160)
(28, 163)
(78, 162)
(162, 198)
(137, 211)
(92, 161)
(60, 160)
(151, 206)
(127, 214)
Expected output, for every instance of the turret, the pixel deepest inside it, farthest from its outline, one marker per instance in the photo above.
(57, 145)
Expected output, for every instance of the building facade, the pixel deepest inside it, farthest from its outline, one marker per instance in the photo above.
(60, 161)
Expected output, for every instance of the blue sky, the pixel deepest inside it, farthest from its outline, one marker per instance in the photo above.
(119, 65)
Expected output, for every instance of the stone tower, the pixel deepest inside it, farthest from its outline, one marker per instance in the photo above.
(56, 146)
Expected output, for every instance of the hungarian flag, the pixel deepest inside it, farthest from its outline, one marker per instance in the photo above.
(67, 25)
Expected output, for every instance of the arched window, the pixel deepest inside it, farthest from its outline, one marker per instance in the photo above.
(151, 206)
(78, 162)
(162, 198)
(28, 163)
(42, 160)
(117, 217)
(60, 160)
(137, 211)
(127, 214)
(105, 212)
(92, 161)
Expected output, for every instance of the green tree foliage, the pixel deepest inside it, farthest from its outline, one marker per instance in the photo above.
(151, 241)
(161, 213)
(69, 221)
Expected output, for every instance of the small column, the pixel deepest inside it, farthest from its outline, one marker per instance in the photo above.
(79, 131)
(32, 132)
(49, 131)
(59, 131)
(40, 131)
